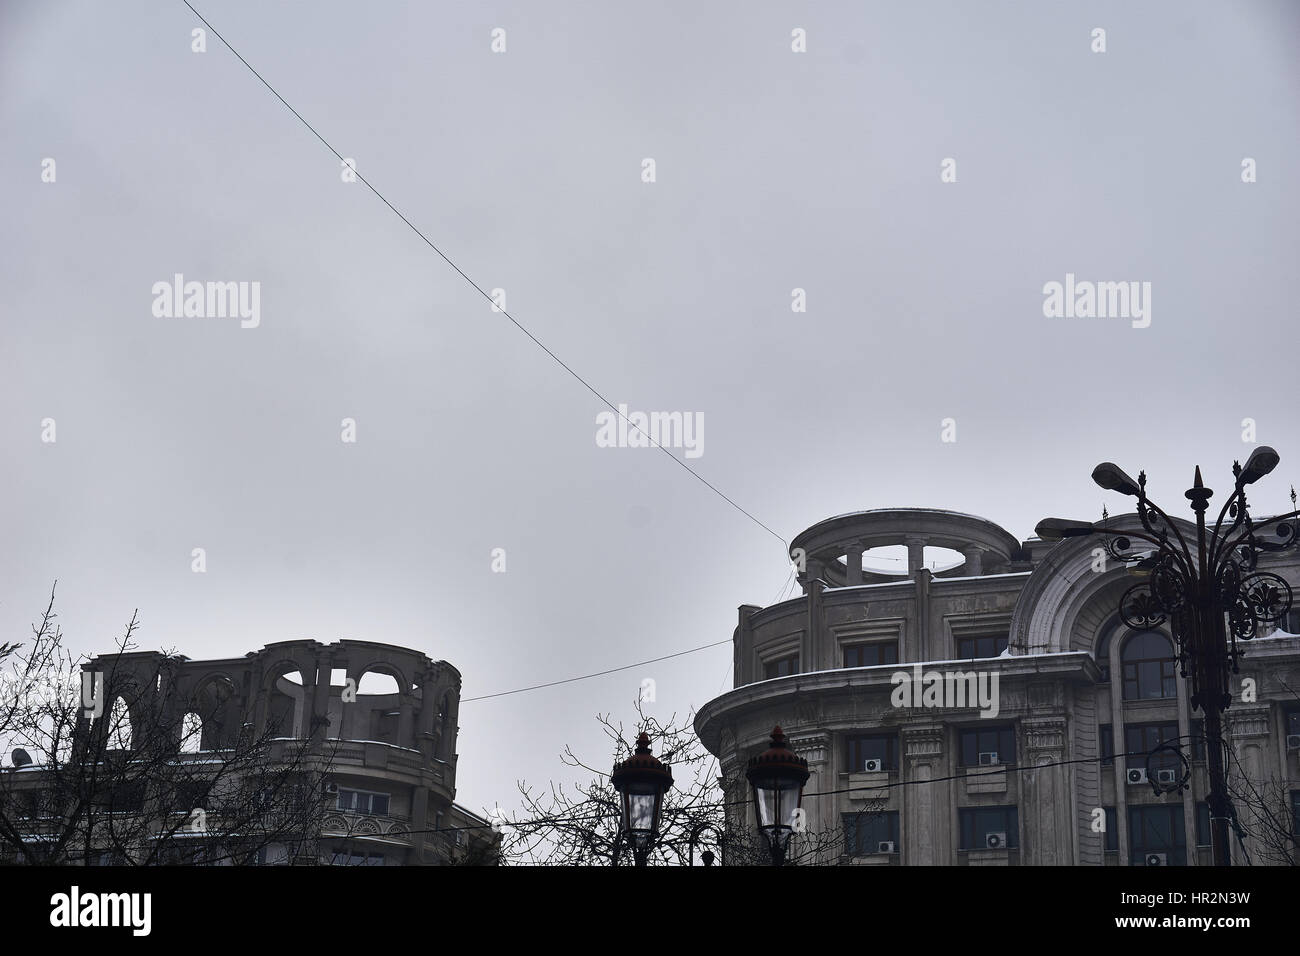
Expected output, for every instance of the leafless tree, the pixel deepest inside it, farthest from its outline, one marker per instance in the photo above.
(579, 825)
(137, 784)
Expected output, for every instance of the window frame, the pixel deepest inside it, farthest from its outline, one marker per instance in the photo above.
(853, 741)
(1136, 664)
(854, 822)
(966, 824)
(858, 646)
(777, 661)
(963, 733)
(1001, 640)
(1137, 849)
(388, 802)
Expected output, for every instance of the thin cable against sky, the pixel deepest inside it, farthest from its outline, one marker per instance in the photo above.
(536, 341)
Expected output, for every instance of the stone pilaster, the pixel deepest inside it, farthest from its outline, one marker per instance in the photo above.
(926, 829)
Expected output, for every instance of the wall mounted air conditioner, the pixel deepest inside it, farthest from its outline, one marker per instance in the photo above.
(1137, 775)
(886, 846)
(1166, 776)
(331, 788)
(1292, 742)
(1157, 859)
(995, 841)
(873, 766)
(989, 759)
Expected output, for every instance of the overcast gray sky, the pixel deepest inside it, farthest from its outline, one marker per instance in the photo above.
(775, 170)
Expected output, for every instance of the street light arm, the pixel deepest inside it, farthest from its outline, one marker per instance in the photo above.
(1226, 548)
(1189, 566)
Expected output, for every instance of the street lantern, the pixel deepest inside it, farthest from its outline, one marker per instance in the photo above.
(641, 782)
(1209, 590)
(777, 776)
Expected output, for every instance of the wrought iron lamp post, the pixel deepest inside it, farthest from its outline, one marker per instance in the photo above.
(1210, 591)
(641, 782)
(777, 776)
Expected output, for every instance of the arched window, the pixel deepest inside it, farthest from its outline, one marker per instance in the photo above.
(119, 726)
(191, 733)
(1148, 662)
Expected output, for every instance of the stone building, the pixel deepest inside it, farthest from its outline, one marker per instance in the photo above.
(373, 725)
(1053, 769)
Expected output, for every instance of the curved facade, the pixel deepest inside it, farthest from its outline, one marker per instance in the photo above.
(390, 757)
(1014, 753)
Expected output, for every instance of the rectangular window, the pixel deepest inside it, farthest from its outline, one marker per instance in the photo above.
(859, 748)
(781, 667)
(1106, 744)
(1295, 815)
(871, 655)
(1141, 739)
(1155, 836)
(996, 744)
(361, 801)
(1149, 679)
(1112, 830)
(1203, 824)
(989, 828)
(865, 831)
(1293, 722)
(990, 645)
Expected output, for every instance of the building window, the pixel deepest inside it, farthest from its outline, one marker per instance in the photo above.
(1106, 744)
(1203, 837)
(859, 748)
(989, 828)
(1295, 815)
(1141, 739)
(871, 655)
(1148, 662)
(781, 667)
(1103, 657)
(1155, 836)
(356, 859)
(1112, 830)
(990, 645)
(1293, 722)
(987, 746)
(361, 801)
(865, 832)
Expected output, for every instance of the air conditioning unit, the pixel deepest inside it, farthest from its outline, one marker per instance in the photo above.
(1292, 742)
(873, 766)
(1166, 776)
(886, 846)
(1157, 859)
(995, 841)
(1137, 775)
(331, 788)
(989, 759)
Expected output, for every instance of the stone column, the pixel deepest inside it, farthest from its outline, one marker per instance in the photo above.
(1246, 729)
(854, 564)
(812, 638)
(1045, 796)
(915, 554)
(428, 714)
(316, 701)
(974, 565)
(925, 830)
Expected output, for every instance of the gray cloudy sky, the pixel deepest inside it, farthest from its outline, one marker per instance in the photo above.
(775, 170)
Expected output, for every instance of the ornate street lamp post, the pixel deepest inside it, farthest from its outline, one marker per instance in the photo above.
(1210, 591)
(641, 782)
(777, 776)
